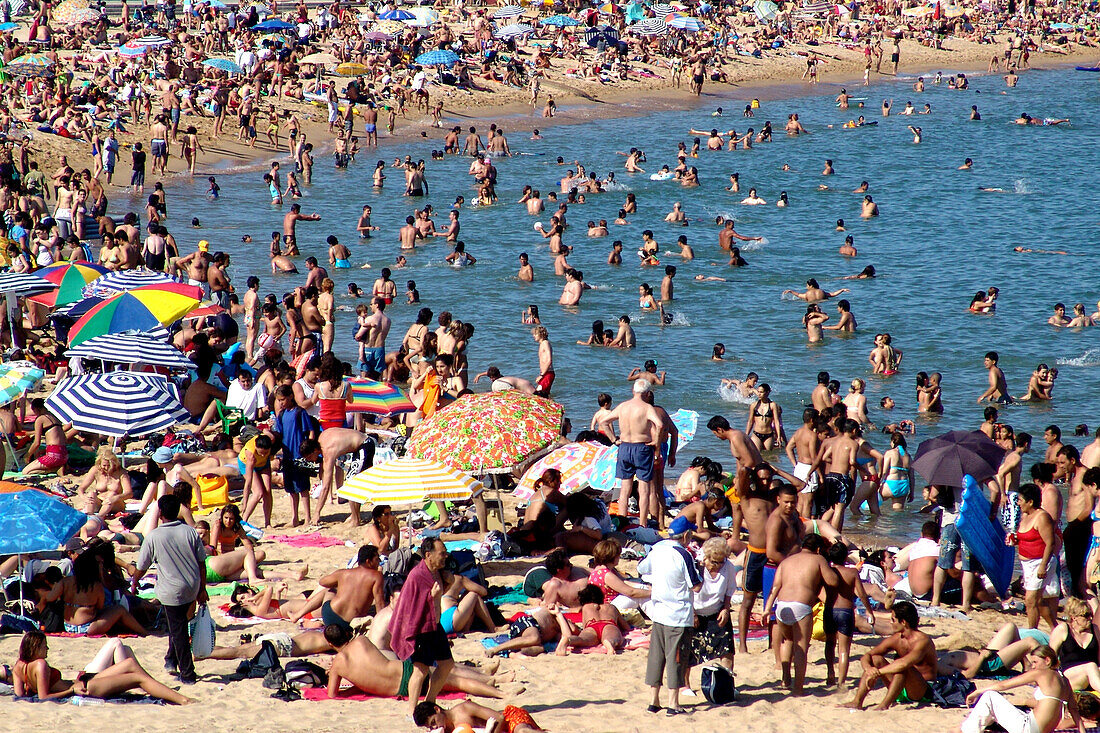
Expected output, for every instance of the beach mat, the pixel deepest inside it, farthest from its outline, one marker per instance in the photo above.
(499, 595)
(352, 693)
(312, 539)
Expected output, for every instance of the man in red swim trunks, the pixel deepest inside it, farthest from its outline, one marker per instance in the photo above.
(48, 427)
(546, 361)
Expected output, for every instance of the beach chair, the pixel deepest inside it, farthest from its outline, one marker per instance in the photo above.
(232, 419)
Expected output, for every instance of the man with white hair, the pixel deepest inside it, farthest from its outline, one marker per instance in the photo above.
(640, 428)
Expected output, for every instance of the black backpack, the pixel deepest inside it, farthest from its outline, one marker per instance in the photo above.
(717, 684)
(265, 660)
(302, 673)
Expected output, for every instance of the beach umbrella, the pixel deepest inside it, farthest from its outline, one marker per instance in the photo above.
(319, 59)
(33, 521)
(508, 11)
(351, 69)
(662, 9)
(634, 12)
(489, 432)
(117, 403)
(120, 281)
(686, 23)
(607, 34)
(765, 9)
(378, 36)
(515, 30)
(609, 9)
(152, 41)
(224, 65)
(650, 27)
(389, 27)
(130, 49)
(540, 3)
(70, 279)
(396, 14)
(273, 26)
(16, 378)
(945, 459)
(76, 16)
(261, 10)
(575, 461)
(8, 27)
(423, 17)
(30, 64)
(205, 309)
(561, 21)
(377, 398)
(131, 348)
(280, 38)
(139, 309)
(23, 283)
(408, 481)
(437, 58)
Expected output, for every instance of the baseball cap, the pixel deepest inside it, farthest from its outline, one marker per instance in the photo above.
(679, 526)
(204, 245)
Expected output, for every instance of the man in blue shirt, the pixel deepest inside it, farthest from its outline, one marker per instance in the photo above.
(299, 432)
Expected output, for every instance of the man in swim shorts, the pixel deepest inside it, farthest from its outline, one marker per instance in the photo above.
(839, 458)
(357, 590)
(802, 451)
(910, 676)
(798, 583)
(640, 430)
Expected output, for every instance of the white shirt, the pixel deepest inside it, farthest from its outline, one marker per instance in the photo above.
(420, 80)
(247, 401)
(716, 589)
(670, 570)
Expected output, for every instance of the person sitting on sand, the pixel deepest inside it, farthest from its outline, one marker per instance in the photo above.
(112, 671)
(361, 663)
(998, 658)
(602, 624)
(906, 678)
(468, 715)
(1053, 700)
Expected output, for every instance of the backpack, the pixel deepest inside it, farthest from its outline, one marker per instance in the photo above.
(950, 691)
(464, 562)
(717, 684)
(267, 658)
(302, 673)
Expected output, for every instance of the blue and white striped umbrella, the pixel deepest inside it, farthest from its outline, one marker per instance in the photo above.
(437, 58)
(117, 403)
(661, 9)
(152, 41)
(686, 23)
(23, 283)
(396, 14)
(132, 348)
(515, 30)
(508, 11)
(114, 283)
(650, 27)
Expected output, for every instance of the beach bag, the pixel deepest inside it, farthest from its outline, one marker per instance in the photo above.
(717, 684)
(202, 633)
(214, 490)
(950, 691)
(302, 673)
(492, 548)
(465, 563)
(266, 659)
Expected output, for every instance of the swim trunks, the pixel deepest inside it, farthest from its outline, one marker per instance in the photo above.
(406, 675)
(790, 613)
(838, 488)
(283, 643)
(77, 628)
(358, 460)
(546, 381)
(159, 149)
(331, 617)
(635, 461)
(514, 717)
(802, 471)
(431, 647)
(447, 619)
(370, 127)
(840, 620)
(374, 360)
(521, 624)
(754, 570)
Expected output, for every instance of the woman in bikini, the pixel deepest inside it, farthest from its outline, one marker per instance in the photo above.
(111, 255)
(461, 603)
(333, 393)
(103, 491)
(601, 624)
(1053, 699)
(269, 603)
(384, 287)
(226, 561)
(114, 670)
(413, 342)
(84, 596)
(765, 424)
(897, 472)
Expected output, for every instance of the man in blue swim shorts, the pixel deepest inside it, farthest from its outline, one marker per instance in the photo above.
(374, 351)
(640, 428)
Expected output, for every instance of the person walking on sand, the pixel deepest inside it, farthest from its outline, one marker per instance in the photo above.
(181, 581)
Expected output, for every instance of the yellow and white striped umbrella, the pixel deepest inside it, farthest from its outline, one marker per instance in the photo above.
(408, 481)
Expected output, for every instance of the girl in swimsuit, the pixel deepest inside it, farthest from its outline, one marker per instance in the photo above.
(602, 624)
(765, 424)
(461, 603)
(898, 472)
(114, 670)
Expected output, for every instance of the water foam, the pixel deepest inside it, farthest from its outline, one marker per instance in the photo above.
(732, 394)
(1089, 358)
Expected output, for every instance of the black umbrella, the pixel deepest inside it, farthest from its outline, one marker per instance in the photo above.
(945, 459)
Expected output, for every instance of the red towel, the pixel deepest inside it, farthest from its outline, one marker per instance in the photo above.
(313, 539)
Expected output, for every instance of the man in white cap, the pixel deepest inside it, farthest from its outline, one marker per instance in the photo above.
(675, 579)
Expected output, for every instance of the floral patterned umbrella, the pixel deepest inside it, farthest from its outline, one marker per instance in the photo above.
(576, 462)
(488, 433)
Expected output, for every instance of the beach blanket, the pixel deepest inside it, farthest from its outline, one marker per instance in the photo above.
(223, 615)
(500, 595)
(635, 639)
(462, 545)
(126, 698)
(313, 539)
(354, 693)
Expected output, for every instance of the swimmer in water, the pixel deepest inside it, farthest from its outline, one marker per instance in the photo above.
(745, 387)
(1080, 319)
(783, 200)
(719, 350)
(840, 225)
(1038, 251)
(916, 134)
(812, 322)
(866, 274)
(753, 199)
(848, 249)
(1059, 319)
(968, 164)
(868, 208)
(814, 293)
(1026, 119)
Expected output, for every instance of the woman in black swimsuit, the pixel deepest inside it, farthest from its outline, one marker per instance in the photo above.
(765, 425)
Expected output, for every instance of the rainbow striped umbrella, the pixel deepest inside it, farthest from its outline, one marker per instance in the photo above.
(136, 310)
(489, 432)
(70, 279)
(16, 378)
(31, 64)
(408, 481)
(576, 462)
(378, 398)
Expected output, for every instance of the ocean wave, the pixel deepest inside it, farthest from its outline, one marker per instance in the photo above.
(1020, 186)
(732, 394)
(753, 246)
(1089, 358)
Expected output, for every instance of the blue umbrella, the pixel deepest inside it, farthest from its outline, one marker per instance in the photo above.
(224, 65)
(273, 26)
(437, 58)
(5, 27)
(593, 36)
(562, 21)
(396, 14)
(33, 521)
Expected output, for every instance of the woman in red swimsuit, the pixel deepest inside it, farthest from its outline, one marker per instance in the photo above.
(603, 625)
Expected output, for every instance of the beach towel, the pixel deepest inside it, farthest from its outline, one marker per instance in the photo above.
(354, 693)
(223, 615)
(313, 539)
(500, 595)
(635, 639)
(462, 545)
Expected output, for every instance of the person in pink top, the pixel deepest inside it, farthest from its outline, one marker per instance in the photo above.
(605, 556)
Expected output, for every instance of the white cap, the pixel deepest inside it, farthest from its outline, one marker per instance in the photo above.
(641, 386)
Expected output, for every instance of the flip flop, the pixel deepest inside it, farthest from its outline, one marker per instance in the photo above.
(674, 711)
(653, 709)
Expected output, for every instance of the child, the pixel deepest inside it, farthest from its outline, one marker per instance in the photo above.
(362, 329)
(391, 119)
(214, 191)
(531, 316)
(437, 114)
(292, 188)
(412, 293)
(603, 399)
(299, 443)
(254, 463)
(137, 177)
(276, 194)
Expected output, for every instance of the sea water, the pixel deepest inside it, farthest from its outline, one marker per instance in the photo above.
(938, 241)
